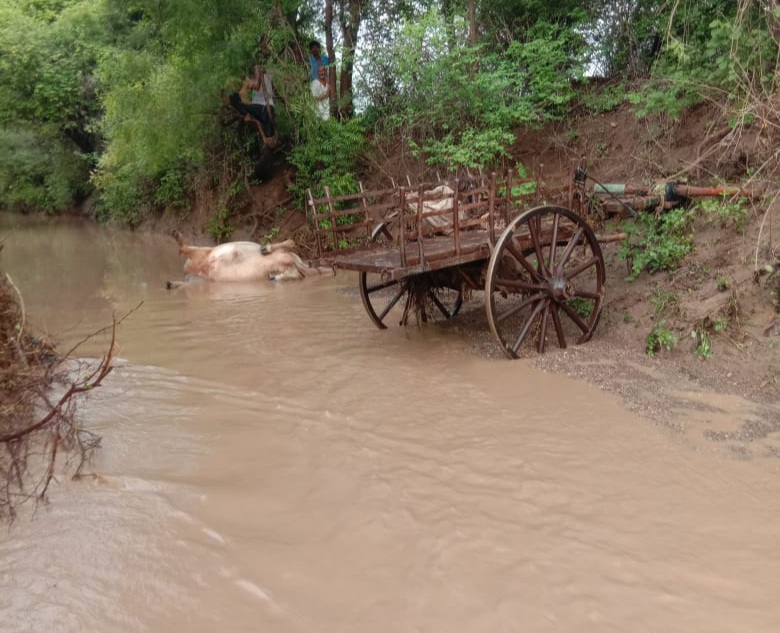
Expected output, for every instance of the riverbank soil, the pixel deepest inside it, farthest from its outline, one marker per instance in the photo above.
(716, 311)
(721, 303)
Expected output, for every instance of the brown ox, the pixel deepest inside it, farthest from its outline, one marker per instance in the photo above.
(243, 261)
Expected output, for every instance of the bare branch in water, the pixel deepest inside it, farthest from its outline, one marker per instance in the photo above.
(38, 427)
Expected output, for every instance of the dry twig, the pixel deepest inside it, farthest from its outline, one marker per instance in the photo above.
(33, 420)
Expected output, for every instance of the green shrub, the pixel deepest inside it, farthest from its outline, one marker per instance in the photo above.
(121, 196)
(329, 154)
(703, 346)
(735, 213)
(713, 49)
(39, 171)
(172, 190)
(458, 105)
(720, 324)
(218, 226)
(523, 189)
(600, 100)
(467, 148)
(48, 52)
(659, 338)
(657, 243)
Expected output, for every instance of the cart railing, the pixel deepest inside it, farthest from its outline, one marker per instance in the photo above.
(413, 215)
(443, 214)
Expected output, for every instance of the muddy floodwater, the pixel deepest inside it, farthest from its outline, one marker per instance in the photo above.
(272, 463)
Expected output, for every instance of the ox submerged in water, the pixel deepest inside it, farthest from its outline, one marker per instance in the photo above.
(243, 261)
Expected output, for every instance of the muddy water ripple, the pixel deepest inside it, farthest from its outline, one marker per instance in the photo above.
(272, 463)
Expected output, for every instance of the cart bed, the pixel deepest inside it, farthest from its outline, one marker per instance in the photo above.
(437, 254)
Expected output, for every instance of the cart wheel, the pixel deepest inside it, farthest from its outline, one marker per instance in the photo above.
(545, 281)
(387, 300)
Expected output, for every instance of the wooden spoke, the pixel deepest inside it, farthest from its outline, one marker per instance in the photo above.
(407, 297)
(534, 228)
(432, 296)
(543, 328)
(572, 314)
(528, 323)
(558, 327)
(520, 258)
(553, 242)
(517, 308)
(401, 291)
(570, 248)
(571, 274)
(380, 298)
(381, 286)
(519, 284)
(447, 312)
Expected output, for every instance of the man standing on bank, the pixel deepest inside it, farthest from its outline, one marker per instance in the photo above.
(316, 60)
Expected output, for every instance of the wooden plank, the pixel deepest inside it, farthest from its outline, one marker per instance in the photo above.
(491, 209)
(365, 209)
(389, 269)
(376, 212)
(402, 227)
(353, 196)
(439, 254)
(340, 213)
(456, 220)
(420, 203)
(346, 228)
(317, 236)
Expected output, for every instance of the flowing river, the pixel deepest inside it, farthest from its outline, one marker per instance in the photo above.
(273, 463)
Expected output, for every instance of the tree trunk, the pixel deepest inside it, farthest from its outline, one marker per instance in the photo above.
(331, 56)
(448, 14)
(350, 16)
(285, 17)
(472, 23)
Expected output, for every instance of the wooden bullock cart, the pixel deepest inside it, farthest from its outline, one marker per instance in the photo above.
(421, 249)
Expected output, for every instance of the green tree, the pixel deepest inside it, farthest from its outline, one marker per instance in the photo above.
(462, 118)
(125, 96)
(714, 49)
(48, 53)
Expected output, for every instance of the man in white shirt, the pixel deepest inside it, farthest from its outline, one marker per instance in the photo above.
(320, 92)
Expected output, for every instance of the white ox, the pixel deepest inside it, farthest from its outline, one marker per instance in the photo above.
(243, 261)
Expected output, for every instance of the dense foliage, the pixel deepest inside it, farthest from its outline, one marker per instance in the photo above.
(459, 105)
(124, 98)
(48, 110)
